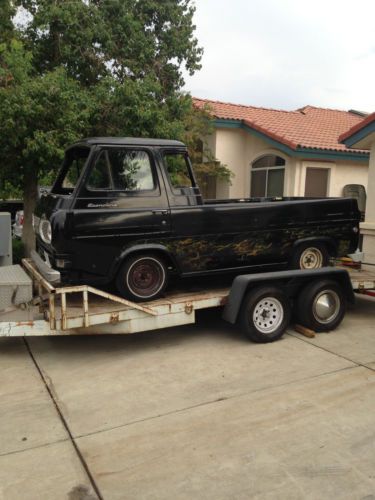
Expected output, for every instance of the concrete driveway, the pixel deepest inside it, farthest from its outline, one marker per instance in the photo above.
(195, 412)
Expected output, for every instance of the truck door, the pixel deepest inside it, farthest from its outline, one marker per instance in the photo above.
(120, 202)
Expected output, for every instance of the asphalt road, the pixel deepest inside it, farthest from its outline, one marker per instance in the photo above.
(195, 412)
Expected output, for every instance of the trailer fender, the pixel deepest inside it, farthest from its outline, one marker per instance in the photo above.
(292, 281)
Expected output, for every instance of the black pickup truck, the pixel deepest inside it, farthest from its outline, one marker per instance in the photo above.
(129, 211)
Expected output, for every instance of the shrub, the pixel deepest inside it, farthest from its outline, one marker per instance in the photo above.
(18, 250)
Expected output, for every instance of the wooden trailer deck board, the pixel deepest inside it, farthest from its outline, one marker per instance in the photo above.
(101, 310)
(362, 279)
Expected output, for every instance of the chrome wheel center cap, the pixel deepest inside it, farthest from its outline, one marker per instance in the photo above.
(265, 313)
(326, 306)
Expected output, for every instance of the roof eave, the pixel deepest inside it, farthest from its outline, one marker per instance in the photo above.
(361, 138)
(288, 147)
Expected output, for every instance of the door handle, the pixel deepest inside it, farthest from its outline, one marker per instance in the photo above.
(160, 212)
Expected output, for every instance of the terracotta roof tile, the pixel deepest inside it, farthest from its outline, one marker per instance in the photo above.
(308, 127)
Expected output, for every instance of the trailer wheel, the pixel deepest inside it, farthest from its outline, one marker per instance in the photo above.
(265, 314)
(321, 305)
(310, 256)
(142, 277)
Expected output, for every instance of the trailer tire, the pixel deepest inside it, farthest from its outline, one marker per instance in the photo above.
(321, 306)
(265, 314)
(310, 256)
(142, 277)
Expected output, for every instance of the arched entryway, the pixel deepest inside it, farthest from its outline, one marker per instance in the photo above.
(267, 176)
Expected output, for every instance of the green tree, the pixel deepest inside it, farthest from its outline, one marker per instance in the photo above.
(198, 128)
(89, 67)
(7, 11)
(39, 115)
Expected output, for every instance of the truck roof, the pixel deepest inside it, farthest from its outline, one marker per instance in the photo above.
(130, 141)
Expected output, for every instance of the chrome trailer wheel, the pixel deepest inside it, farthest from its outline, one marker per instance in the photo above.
(321, 305)
(264, 314)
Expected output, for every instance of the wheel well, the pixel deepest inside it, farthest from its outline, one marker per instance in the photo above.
(155, 251)
(327, 242)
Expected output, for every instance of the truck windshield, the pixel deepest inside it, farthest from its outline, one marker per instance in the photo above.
(74, 161)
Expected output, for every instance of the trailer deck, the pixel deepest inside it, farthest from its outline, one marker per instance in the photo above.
(85, 310)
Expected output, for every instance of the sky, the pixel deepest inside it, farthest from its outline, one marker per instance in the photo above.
(286, 54)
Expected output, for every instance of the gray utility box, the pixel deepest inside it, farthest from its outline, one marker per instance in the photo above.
(5, 239)
(16, 293)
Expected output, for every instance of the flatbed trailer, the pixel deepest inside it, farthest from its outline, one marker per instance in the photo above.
(85, 310)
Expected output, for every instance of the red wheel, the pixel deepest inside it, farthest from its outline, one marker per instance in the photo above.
(142, 277)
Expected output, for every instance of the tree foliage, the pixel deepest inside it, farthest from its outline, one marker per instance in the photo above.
(198, 128)
(7, 11)
(90, 67)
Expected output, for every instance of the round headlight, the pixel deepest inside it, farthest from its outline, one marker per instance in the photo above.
(45, 231)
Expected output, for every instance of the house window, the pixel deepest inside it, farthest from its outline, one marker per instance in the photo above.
(267, 176)
(316, 183)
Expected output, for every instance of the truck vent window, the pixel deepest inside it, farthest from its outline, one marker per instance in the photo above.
(100, 174)
(71, 170)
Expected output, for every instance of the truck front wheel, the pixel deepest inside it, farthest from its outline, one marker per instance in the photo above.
(265, 314)
(321, 305)
(142, 277)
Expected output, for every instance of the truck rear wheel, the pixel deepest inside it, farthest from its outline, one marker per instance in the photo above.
(310, 256)
(142, 277)
(265, 314)
(321, 306)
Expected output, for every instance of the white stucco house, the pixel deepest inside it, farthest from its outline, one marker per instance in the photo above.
(284, 153)
(362, 135)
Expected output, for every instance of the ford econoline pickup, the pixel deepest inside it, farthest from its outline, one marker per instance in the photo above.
(129, 211)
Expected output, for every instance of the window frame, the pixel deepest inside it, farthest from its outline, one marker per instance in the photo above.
(57, 185)
(177, 190)
(267, 169)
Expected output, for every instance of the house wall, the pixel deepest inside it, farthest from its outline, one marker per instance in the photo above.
(340, 174)
(231, 151)
(238, 149)
(368, 227)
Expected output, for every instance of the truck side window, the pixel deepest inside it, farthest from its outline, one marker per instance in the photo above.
(122, 170)
(178, 170)
(131, 170)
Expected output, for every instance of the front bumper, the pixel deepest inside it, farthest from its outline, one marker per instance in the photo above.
(46, 270)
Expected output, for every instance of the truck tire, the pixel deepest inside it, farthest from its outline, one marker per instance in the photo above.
(265, 314)
(310, 256)
(321, 306)
(142, 277)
